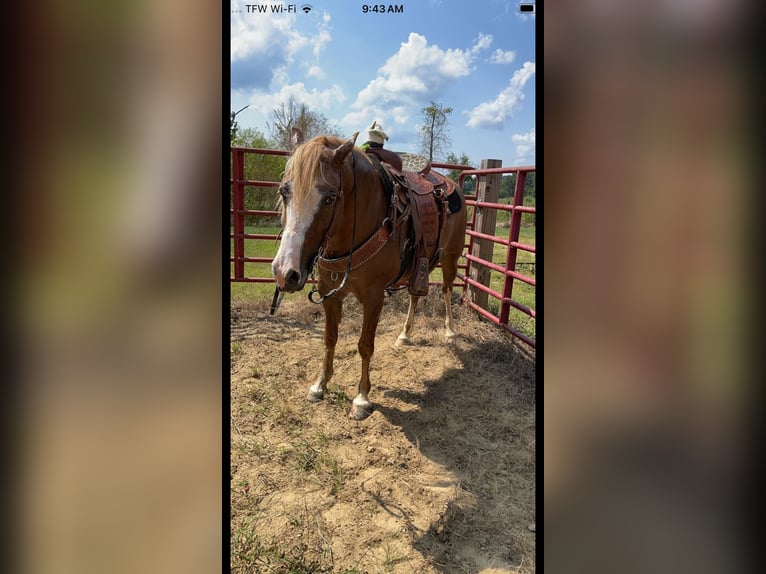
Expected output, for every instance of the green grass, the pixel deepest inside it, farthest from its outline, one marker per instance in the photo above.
(251, 556)
(306, 459)
(503, 216)
(391, 557)
(521, 292)
(256, 248)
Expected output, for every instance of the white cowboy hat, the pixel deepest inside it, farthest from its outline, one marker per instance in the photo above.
(376, 134)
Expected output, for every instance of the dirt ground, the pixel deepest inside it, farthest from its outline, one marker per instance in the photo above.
(441, 477)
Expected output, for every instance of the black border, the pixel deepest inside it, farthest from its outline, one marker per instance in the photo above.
(539, 291)
(225, 290)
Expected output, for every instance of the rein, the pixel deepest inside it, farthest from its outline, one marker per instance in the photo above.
(350, 255)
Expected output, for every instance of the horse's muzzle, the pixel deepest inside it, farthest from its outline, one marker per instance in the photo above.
(291, 281)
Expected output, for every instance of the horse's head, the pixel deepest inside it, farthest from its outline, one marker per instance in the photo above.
(310, 189)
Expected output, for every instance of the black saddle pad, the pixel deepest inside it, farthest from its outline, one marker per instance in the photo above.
(454, 202)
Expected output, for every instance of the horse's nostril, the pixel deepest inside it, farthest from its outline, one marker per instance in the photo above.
(292, 276)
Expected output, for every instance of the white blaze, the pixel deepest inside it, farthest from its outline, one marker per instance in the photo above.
(297, 224)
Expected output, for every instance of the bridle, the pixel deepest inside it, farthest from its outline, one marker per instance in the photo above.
(278, 295)
(327, 239)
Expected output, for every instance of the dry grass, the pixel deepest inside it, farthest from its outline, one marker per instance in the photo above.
(440, 479)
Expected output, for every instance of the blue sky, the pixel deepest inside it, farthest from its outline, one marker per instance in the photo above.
(477, 57)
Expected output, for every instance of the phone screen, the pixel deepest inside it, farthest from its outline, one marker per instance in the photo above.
(383, 163)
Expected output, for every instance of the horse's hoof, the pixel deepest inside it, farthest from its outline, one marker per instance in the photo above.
(359, 412)
(450, 338)
(402, 340)
(315, 396)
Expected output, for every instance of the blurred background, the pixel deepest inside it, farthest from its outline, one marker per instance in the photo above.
(117, 303)
(116, 307)
(647, 233)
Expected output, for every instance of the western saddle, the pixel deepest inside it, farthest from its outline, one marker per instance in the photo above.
(426, 199)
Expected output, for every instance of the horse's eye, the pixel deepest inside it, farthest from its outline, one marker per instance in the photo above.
(330, 199)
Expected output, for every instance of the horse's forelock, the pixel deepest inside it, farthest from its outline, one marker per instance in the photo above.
(305, 167)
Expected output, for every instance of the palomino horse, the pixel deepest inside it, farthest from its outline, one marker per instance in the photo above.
(333, 206)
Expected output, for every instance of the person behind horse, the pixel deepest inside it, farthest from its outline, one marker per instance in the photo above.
(374, 145)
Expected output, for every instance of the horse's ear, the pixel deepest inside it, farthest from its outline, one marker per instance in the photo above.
(341, 152)
(296, 138)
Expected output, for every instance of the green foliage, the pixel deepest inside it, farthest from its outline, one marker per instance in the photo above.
(233, 125)
(262, 168)
(469, 183)
(233, 128)
(530, 187)
(251, 137)
(506, 186)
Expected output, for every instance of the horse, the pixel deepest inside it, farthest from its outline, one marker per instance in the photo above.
(333, 206)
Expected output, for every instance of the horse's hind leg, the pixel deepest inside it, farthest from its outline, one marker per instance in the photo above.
(404, 336)
(333, 310)
(449, 272)
(362, 407)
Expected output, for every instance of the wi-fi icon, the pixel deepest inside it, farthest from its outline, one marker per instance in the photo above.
(306, 8)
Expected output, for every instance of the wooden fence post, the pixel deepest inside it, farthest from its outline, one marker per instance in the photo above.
(487, 190)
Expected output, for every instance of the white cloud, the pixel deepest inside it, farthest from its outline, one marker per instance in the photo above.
(263, 47)
(320, 41)
(280, 75)
(314, 99)
(527, 138)
(400, 115)
(525, 146)
(416, 73)
(251, 34)
(315, 72)
(502, 56)
(482, 43)
(322, 37)
(493, 114)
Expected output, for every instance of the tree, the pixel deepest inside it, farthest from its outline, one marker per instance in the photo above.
(507, 187)
(291, 114)
(435, 140)
(530, 188)
(469, 183)
(233, 128)
(262, 168)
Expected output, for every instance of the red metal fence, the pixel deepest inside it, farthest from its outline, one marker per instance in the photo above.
(238, 211)
(512, 244)
(474, 237)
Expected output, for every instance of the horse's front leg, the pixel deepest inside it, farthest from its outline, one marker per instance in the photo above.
(333, 309)
(362, 407)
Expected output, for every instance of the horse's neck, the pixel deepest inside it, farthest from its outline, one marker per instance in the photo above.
(367, 204)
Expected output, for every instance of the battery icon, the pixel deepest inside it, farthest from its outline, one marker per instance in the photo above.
(527, 8)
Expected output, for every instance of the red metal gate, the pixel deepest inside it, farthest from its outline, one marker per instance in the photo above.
(512, 244)
(238, 212)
